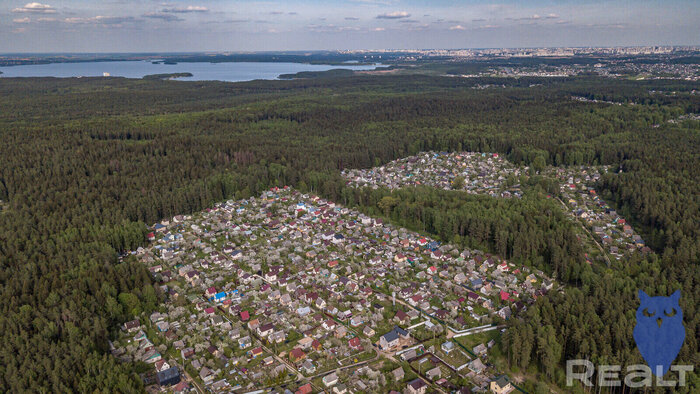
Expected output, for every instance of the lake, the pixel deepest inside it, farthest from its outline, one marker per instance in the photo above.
(232, 72)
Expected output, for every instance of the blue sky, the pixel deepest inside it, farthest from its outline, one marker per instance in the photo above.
(240, 25)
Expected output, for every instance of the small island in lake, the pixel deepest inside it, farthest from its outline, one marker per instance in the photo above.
(167, 76)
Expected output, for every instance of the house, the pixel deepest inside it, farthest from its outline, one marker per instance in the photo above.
(330, 379)
(401, 317)
(501, 385)
(254, 324)
(434, 373)
(505, 312)
(296, 355)
(244, 342)
(408, 355)
(398, 374)
(308, 367)
(368, 331)
(206, 375)
(181, 387)
(447, 347)
(168, 377)
(356, 321)
(187, 352)
(277, 337)
(132, 326)
(305, 389)
(151, 357)
(416, 386)
(355, 344)
(329, 325)
(479, 349)
(392, 338)
(476, 366)
(505, 296)
(216, 320)
(340, 332)
(305, 342)
(265, 329)
(340, 389)
(257, 352)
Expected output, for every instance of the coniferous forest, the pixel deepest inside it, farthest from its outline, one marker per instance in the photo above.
(87, 165)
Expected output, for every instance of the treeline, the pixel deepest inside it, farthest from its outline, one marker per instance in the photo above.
(88, 163)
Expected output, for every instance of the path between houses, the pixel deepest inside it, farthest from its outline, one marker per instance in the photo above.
(607, 259)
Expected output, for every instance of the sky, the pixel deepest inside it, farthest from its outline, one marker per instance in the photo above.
(241, 25)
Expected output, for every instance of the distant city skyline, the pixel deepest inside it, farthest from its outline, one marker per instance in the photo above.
(218, 25)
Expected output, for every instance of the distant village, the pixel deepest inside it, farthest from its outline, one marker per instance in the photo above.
(481, 173)
(608, 227)
(291, 293)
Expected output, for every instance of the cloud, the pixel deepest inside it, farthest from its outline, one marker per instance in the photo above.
(479, 20)
(408, 21)
(378, 29)
(552, 16)
(394, 15)
(101, 20)
(185, 10)
(351, 18)
(276, 12)
(162, 16)
(36, 8)
(292, 13)
(19, 30)
(458, 27)
(21, 20)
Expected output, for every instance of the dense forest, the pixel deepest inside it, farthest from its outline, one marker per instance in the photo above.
(87, 164)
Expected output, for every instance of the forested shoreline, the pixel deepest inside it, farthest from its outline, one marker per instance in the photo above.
(87, 164)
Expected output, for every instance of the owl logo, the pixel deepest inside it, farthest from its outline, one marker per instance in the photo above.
(659, 332)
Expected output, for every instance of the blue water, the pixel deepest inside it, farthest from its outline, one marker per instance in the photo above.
(233, 72)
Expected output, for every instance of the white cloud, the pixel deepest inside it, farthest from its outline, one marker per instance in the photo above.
(458, 27)
(552, 16)
(378, 29)
(394, 15)
(46, 19)
(102, 20)
(188, 9)
(36, 8)
(21, 20)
